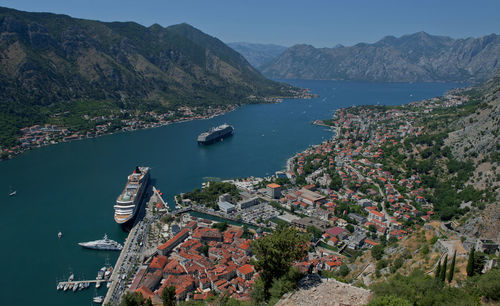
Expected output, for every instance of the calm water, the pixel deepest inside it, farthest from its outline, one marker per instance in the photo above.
(71, 187)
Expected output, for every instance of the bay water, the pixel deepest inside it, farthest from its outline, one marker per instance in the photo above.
(71, 187)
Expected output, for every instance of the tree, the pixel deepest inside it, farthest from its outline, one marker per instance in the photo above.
(443, 269)
(377, 252)
(389, 300)
(350, 227)
(204, 249)
(344, 270)
(372, 228)
(314, 231)
(437, 274)
(276, 252)
(168, 296)
(470, 263)
(452, 267)
(132, 299)
(479, 262)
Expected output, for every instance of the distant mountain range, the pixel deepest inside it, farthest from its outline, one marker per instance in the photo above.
(47, 58)
(418, 57)
(257, 54)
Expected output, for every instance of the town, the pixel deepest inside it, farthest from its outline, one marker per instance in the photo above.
(345, 193)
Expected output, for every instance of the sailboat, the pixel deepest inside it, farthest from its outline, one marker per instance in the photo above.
(12, 192)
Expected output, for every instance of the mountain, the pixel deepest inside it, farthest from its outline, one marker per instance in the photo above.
(418, 57)
(48, 59)
(257, 54)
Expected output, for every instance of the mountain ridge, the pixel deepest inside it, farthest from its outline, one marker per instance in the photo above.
(50, 61)
(257, 54)
(417, 57)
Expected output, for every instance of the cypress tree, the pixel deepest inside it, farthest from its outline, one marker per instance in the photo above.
(437, 274)
(452, 267)
(470, 263)
(443, 269)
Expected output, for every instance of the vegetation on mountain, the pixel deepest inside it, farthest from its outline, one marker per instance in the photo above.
(420, 289)
(418, 57)
(51, 62)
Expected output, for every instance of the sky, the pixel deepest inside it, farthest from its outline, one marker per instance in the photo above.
(321, 23)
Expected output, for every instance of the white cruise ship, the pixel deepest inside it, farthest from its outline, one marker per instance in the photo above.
(129, 200)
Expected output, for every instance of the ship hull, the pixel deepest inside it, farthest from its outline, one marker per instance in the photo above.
(206, 139)
(126, 211)
(219, 138)
(98, 248)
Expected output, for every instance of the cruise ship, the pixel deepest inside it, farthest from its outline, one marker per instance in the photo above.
(129, 200)
(215, 133)
(102, 244)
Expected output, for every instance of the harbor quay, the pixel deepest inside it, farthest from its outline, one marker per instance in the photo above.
(134, 250)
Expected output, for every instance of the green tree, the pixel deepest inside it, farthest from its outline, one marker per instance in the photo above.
(276, 252)
(377, 252)
(452, 267)
(389, 300)
(443, 269)
(132, 299)
(350, 228)
(479, 262)
(344, 270)
(314, 231)
(437, 274)
(470, 263)
(168, 296)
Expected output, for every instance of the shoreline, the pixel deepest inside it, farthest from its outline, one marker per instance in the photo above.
(11, 153)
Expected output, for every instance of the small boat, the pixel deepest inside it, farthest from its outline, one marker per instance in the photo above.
(66, 287)
(80, 286)
(59, 235)
(70, 286)
(12, 192)
(98, 299)
(75, 287)
(71, 277)
(97, 284)
(108, 284)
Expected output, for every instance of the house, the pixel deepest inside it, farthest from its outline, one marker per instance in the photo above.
(246, 271)
(373, 214)
(158, 262)
(303, 223)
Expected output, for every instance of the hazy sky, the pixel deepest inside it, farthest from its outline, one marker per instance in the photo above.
(321, 23)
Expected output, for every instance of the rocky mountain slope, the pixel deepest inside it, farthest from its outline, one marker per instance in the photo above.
(418, 57)
(47, 58)
(257, 54)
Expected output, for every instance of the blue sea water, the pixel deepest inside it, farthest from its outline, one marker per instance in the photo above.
(71, 187)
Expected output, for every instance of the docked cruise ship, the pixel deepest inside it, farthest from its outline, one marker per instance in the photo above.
(215, 133)
(129, 200)
(102, 244)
